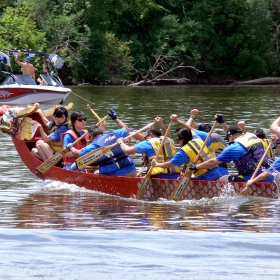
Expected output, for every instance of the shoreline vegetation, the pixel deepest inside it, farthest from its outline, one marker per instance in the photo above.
(260, 81)
(138, 42)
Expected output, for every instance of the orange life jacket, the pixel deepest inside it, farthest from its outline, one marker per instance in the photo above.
(78, 146)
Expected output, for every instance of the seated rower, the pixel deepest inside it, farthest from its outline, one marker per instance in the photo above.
(275, 167)
(260, 134)
(50, 142)
(190, 147)
(115, 164)
(245, 151)
(78, 124)
(218, 144)
(150, 147)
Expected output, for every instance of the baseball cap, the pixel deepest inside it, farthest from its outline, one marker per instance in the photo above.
(276, 143)
(27, 58)
(233, 130)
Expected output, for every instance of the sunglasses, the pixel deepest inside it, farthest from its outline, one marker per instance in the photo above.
(82, 119)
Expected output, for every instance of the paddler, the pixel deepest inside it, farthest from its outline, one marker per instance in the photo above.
(272, 170)
(190, 142)
(50, 143)
(115, 162)
(245, 150)
(150, 146)
(218, 144)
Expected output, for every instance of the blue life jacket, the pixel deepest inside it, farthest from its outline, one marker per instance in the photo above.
(115, 159)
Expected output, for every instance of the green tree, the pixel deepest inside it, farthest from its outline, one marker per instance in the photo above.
(18, 30)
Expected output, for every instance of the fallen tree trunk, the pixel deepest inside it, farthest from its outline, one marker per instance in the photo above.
(261, 81)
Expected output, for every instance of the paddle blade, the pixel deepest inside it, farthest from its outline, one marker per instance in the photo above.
(181, 187)
(91, 157)
(46, 165)
(245, 191)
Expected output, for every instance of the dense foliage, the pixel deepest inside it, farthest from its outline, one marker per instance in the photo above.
(110, 41)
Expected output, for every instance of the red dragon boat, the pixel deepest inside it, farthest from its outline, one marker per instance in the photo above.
(127, 186)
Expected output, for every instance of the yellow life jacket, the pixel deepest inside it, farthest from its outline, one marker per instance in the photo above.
(265, 143)
(217, 145)
(191, 149)
(57, 145)
(167, 152)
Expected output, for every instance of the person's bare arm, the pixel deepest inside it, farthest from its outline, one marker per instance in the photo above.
(220, 119)
(275, 127)
(174, 118)
(113, 115)
(208, 164)
(43, 117)
(159, 122)
(17, 58)
(259, 178)
(138, 136)
(166, 164)
(191, 120)
(121, 124)
(241, 125)
(33, 74)
(75, 152)
(125, 148)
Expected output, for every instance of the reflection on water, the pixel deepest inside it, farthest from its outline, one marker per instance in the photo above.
(62, 206)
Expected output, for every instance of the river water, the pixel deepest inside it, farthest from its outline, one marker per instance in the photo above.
(53, 230)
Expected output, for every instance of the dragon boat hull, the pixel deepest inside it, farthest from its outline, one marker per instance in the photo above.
(128, 187)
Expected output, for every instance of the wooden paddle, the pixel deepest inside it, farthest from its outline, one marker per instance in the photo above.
(93, 156)
(145, 183)
(184, 181)
(46, 165)
(94, 113)
(245, 190)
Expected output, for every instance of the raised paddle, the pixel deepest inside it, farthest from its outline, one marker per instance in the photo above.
(93, 156)
(94, 113)
(184, 181)
(245, 190)
(145, 183)
(46, 165)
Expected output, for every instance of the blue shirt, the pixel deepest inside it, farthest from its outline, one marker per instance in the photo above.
(55, 135)
(91, 147)
(181, 158)
(276, 165)
(147, 148)
(202, 135)
(233, 152)
(67, 139)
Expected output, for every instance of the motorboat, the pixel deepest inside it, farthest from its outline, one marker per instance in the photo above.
(18, 89)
